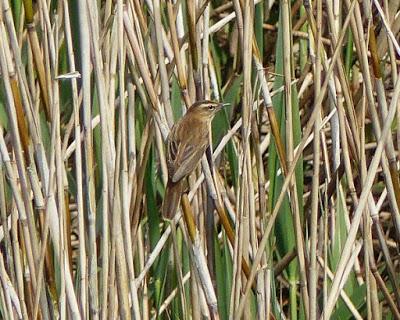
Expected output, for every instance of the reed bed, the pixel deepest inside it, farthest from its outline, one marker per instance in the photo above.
(294, 210)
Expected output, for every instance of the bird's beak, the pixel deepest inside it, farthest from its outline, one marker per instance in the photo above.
(222, 105)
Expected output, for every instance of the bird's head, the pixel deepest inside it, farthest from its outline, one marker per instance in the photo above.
(206, 108)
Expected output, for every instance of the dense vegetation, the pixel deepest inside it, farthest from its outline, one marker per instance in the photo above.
(294, 211)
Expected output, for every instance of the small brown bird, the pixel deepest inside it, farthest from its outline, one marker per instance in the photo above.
(186, 144)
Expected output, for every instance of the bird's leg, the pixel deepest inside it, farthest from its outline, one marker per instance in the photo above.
(186, 186)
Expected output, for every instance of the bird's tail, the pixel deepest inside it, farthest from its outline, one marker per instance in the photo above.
(171, 199)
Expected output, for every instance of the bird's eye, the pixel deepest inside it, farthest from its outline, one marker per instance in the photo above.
(211, 107)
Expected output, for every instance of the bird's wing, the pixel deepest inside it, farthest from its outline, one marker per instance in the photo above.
(187, 159)
(184, 158)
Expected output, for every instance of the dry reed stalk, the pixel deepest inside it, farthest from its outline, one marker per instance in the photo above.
(313, 274)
